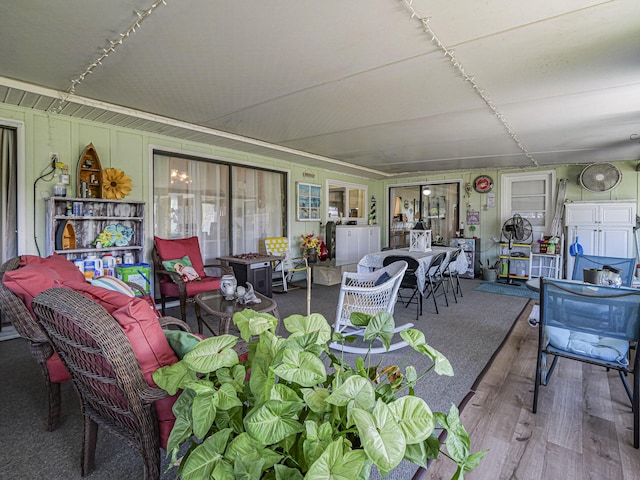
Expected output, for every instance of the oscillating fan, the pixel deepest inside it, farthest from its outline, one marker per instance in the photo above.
(600, 177)
(515, 229)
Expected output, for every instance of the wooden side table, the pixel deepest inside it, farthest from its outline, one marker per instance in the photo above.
(214, 303)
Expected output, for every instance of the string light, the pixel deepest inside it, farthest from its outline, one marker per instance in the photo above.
(141, 16)
(467, 78)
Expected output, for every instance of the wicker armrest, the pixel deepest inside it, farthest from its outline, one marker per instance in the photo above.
(171, 321)
(150, 394)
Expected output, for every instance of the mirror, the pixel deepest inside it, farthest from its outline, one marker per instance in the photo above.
(346, 201)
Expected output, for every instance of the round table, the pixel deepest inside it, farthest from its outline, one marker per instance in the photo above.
(214, 303)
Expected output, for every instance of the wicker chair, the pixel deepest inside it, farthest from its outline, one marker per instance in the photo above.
(368, 293)
(28, 328)
(105, 372)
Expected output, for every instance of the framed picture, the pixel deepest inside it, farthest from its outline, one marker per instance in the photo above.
(308, 207)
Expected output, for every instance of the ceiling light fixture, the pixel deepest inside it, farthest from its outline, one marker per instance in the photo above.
(467, 78)
(426, 191)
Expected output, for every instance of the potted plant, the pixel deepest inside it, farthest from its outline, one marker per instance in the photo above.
(280, 414)
(311, 245)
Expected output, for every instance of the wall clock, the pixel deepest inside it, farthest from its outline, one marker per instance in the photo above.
(483, 184)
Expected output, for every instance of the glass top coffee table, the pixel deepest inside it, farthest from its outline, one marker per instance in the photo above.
(214, 304)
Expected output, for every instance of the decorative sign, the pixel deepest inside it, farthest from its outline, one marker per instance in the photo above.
(473, 218)
(483, 184)
(308, 207)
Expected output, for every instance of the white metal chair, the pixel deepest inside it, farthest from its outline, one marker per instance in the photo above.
(368, 293)
(283, 268)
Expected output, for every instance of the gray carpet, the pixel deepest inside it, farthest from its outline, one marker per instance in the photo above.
(503, 289)
(468, 333)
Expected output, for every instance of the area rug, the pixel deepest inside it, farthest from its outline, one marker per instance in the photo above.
(504, 289)
(468, 333)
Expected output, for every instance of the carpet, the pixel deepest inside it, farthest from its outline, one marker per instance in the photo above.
(468, 333)
(504, 289)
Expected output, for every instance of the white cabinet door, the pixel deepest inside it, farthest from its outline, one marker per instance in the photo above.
(353, 243)
(617, 214)
(615, 242)
(576, 214)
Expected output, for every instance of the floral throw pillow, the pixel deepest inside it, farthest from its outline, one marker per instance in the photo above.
(182, 266)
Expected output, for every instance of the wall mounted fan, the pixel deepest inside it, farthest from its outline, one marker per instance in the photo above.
(600, 177)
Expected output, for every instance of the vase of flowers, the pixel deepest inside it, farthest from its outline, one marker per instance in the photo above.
(310, 244)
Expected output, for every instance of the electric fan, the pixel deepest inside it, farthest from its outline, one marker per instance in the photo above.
(515, 229)
(600, 177)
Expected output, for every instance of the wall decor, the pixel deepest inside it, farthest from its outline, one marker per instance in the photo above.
(483, 184)
(308, 207)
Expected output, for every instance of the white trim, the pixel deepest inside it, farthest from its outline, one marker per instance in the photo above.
(21, 200)
(507, 179)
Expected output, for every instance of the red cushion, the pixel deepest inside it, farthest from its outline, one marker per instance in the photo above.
(140, 325)
(57, 371)
(172, 249)
(66, 269)
(29, 281)
(193, 288)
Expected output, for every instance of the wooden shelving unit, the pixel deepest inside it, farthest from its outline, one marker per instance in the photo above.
(91, 218)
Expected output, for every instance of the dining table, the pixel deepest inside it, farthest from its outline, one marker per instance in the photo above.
(373, 261)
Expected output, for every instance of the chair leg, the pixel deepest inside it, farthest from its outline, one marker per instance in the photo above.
(636, 408)
(89, 438)
(163, 304)
(53, 394)
(458, 285)
(453, 287)
(183, 309)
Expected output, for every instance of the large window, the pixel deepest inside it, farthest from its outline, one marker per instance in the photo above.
(436, 204)
(346, 201)
(231, 208)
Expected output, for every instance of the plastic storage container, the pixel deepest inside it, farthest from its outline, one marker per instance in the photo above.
(138, 273)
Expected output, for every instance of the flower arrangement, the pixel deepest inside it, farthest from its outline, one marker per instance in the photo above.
(290, 409)
(310, 241)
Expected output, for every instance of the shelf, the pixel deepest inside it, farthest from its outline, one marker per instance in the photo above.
(105, 212)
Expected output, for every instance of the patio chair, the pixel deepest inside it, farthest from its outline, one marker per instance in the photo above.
(409, 282)
(286, 266)
(626, 265)
(594, 324)
(51, 367)
(171, 284)
(106, 373)
(452, 278)
(435, 280)
(369, 293)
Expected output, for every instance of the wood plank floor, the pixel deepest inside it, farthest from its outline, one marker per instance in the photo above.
(583, 428)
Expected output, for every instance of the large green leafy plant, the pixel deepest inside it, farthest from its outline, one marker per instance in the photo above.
(280, 414)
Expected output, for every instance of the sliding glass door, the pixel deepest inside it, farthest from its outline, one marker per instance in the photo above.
(436, 204)
(231, 208)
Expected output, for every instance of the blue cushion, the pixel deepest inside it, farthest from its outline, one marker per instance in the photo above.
(382, 279)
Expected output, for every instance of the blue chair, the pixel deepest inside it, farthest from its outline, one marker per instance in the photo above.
(590, 323)
(626, 265)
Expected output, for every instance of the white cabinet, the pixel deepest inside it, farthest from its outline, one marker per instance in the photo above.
(604, 229)
(354, 242)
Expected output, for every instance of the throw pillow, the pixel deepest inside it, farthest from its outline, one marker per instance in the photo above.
(113, 283)
(382, 279)
(182, 266)
(181, 342)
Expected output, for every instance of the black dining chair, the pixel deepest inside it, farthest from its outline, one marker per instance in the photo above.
(409, 291)
(434, 283)
(452, 277)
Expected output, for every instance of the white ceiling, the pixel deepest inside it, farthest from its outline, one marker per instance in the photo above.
(356, 86)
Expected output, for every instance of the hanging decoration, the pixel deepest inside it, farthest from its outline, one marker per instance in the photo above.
(115, 184)
(372, 213)
(113, 44)
(450, 54)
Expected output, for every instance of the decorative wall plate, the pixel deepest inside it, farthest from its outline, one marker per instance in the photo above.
(483, 184)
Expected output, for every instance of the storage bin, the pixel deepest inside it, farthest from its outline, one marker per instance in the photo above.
(138, 273)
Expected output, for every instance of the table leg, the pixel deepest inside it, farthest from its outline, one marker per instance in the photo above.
(199, 317)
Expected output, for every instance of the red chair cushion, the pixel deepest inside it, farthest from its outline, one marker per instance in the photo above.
(140, 324)
(170, 289)
(173, 249)
(57, 371)
(29, 281)
(58, 263)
